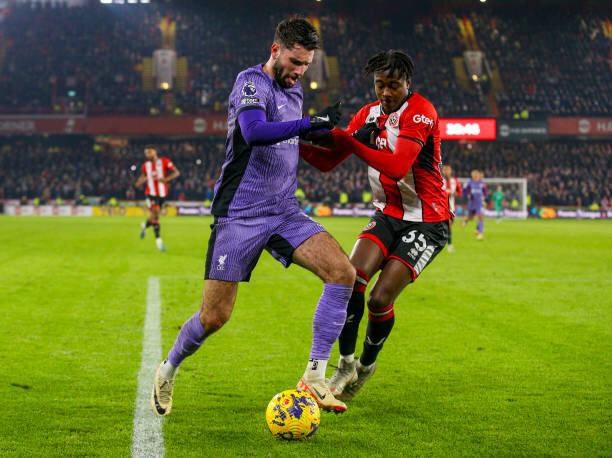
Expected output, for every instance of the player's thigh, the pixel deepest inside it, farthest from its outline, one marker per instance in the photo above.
(367, 256)
(373, 244)
(234, 248)
(322, 255)
(218, 301)
(419, 244)
(394, 277)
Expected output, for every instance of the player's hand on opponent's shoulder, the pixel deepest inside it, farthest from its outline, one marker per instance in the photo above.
(328, 118)
(367, 133)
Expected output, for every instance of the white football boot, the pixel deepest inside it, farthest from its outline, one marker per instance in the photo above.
(161, 397)
(320, 392)
(345, 374)
(363, 375)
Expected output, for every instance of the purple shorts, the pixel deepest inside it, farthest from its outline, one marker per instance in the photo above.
(235, 244)
(475, 210)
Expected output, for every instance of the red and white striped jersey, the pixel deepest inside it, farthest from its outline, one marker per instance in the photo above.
(420, 195)
(155, 171)
(453, 189)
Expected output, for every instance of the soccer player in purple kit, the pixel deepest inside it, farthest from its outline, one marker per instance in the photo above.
(255, 208)
(476, 192)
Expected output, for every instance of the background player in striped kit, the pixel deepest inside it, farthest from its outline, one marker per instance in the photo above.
(255, 209)
(157, 172)
(453, 189)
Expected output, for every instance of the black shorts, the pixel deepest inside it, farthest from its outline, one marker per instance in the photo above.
(155, 201)
(415, 244)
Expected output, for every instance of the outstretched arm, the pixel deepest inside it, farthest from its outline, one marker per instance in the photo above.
(257, 131)
(324, 159)
(394, 165)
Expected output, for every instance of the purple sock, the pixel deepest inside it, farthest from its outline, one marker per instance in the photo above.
(480, 227)
(329, 319)
(190, 338)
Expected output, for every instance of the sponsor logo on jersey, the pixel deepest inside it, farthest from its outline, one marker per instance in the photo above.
(249, 101)
(419, 118)
(289, 141)
(381, 143)
(249, 89)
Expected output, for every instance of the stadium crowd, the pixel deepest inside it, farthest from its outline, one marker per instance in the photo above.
(89, 58)
(558, 173)
(560, 67)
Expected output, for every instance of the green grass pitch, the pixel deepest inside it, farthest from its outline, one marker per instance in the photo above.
(501, 348)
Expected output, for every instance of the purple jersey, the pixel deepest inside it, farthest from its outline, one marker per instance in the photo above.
(258, 180)
(476, 192)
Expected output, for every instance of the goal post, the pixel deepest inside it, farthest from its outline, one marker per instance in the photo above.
(515, 196)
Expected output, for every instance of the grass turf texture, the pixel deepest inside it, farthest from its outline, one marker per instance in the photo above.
(502, 348)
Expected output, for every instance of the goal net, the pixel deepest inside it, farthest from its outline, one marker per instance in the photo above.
(514, 197)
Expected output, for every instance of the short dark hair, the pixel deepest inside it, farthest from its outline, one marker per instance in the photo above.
(393, 62)
(297, 31)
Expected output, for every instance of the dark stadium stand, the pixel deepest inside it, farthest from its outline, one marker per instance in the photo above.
(89, 59)
(97, 53)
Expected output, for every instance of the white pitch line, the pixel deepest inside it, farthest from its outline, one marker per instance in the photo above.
(147, 436)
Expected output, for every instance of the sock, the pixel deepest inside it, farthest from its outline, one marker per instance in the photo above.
(191, 336)
(315, 370)
(380, 324)
(148, 223)
(347, 358)
(480, 227)
(354, 313)
(167, 370)
(156, 228)
(327, 324)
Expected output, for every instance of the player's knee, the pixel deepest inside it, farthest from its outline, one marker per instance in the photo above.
(379, 300)
(214, 319)
(343, 274)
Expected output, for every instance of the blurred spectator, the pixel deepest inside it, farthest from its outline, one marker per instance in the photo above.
(558, 173)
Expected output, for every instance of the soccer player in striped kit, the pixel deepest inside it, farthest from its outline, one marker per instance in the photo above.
(157, 172)
(453, 189)
(398, 137)
(255, 209)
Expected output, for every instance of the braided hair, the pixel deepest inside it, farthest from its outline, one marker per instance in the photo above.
(393, 62)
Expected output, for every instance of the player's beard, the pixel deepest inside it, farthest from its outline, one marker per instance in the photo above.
(281, 77)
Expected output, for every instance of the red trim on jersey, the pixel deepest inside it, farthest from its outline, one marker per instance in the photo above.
(413, 273)
(376, 240)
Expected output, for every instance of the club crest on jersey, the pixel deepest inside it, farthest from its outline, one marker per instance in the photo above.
(370, 226)
(393, 120)
(249, 89)
(221, 262)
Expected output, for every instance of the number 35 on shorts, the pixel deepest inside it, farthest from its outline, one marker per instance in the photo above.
(418, 250)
